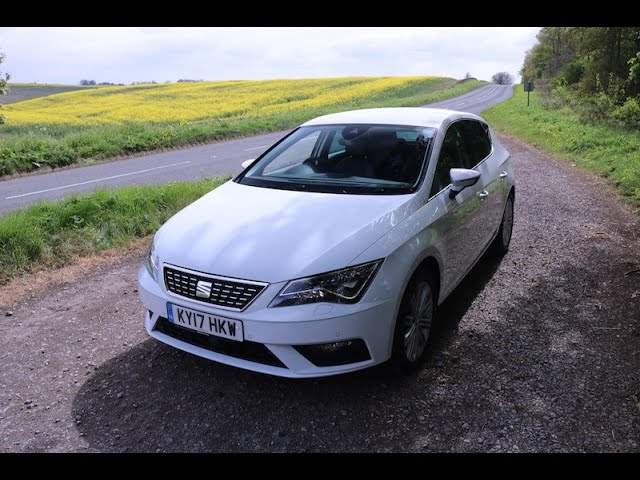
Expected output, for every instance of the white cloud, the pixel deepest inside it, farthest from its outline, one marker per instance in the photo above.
(127, 54)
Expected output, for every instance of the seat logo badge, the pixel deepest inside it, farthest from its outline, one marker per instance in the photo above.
(203, 289)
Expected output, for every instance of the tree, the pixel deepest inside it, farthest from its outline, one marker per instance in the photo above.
(502, 78)
(634, 70)
(3, 85)
(594, 70)
(592, 60)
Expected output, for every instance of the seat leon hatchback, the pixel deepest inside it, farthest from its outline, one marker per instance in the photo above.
(331, 251)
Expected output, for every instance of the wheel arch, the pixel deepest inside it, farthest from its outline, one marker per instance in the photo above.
(430, 265)
(429, 262)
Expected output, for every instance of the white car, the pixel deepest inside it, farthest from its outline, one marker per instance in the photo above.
(331, 252)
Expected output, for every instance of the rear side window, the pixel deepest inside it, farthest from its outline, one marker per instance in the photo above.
(476, 140)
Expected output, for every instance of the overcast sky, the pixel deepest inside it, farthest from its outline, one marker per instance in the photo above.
(129, 54)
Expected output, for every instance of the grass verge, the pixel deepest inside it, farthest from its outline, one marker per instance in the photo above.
(53, 234)
(28, 147)
(613, 153)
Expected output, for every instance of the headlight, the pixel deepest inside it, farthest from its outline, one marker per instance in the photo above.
(340, 286)
(151, 262)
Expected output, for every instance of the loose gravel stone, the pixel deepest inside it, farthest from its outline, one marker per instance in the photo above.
(536, 352)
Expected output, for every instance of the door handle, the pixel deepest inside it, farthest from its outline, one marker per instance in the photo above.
(482, 194)
(503, 174)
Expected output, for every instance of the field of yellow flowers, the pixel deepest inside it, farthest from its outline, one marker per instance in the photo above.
(61, 129)
(197, 101)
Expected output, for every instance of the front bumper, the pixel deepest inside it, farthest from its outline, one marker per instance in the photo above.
(274, 336)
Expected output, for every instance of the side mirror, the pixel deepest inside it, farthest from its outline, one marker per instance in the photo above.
(461, 178)
(246, 163)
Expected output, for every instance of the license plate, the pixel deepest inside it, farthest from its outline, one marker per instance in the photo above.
(205, 323)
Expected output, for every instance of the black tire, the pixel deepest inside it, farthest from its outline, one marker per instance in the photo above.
(500, 244)
(413, 325)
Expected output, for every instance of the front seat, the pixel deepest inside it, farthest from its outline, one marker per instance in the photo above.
(355, 162)
(379, 148)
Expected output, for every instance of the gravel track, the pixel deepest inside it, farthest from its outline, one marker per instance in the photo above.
(538, 352)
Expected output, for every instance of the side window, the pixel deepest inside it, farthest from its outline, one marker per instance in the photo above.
(452, 155)
(476, 140)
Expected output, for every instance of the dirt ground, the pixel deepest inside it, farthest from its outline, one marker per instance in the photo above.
(538, 352)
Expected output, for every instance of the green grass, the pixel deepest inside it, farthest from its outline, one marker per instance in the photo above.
(26, 91)
(613, 153)
(53, 234)
(28, 147)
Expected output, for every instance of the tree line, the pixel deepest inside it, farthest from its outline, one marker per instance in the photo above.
(595, 70)
(85, 83)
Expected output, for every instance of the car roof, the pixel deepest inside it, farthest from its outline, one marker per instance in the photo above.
(416, 116)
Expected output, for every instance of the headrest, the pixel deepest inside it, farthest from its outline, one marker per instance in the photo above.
(353, 131)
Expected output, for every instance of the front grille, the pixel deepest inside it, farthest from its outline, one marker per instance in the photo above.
(251, 351)
(224, 292)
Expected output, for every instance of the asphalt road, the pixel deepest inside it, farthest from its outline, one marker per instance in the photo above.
(216, 159)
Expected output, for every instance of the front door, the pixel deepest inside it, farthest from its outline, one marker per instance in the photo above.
(462, 232)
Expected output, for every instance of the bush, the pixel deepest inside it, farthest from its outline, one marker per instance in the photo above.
(596, 108)
(573, 71)
(599, 108)
(611, 152)
(627, 115)
(559, 96)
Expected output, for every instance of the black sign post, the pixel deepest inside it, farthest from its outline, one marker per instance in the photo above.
(528, 87)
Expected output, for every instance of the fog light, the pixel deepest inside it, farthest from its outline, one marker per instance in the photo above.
(335, 353)
(332, 347)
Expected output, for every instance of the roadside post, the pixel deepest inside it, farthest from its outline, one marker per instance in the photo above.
(528, 87)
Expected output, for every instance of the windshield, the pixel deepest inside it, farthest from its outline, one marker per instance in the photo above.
(361, 159)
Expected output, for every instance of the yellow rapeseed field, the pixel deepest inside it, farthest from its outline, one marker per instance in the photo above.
(189, 102)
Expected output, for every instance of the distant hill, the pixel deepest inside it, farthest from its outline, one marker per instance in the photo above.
(96, 123)
(185, 102)
(27, 91)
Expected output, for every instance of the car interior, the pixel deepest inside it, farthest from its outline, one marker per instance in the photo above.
(372, 152)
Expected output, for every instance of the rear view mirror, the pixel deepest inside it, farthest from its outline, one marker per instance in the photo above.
(462, 178)
(246, 163)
